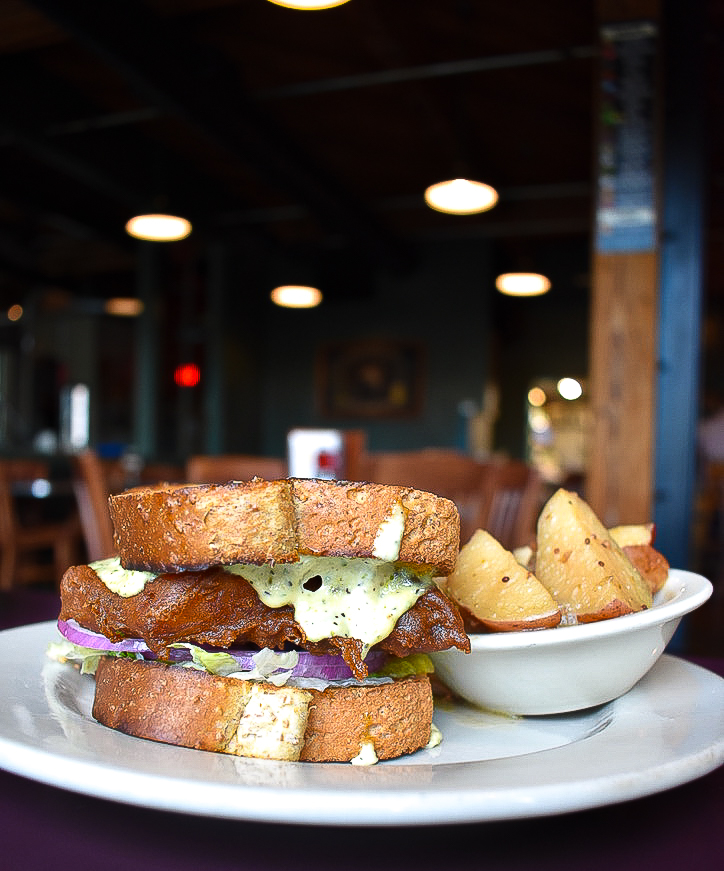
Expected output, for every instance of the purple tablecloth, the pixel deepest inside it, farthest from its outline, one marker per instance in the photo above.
(43, 827)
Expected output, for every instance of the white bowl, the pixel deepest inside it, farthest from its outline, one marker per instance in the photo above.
(568, 668)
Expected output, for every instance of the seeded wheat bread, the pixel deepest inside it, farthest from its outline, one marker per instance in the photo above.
(194, 709)
(190, 527)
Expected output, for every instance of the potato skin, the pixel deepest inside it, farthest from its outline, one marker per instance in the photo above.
(652, 565)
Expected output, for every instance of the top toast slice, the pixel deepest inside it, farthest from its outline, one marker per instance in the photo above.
(190, 527)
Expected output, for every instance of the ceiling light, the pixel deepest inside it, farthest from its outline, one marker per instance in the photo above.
(460, 196)
(308, 4)
(158, 228)
(124, 307)
(569, 388)
(539, 421)
(296, 296)
(522, 283)
(537, 396)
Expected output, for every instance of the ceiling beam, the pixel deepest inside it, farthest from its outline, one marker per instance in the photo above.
(69, 165)
(176, 75)
(428, 71)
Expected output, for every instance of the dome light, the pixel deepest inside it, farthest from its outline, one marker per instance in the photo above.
(124, 307)
(522, 283)
(537, 397)
(460, 196)
(296, 296)
(308, 4)
(158, 228)
(569, 388)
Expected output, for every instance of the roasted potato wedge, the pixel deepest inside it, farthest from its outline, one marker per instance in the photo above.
(652, 565)
(636, 540)
(633, 534)
(491, 584)
(525, 555)
(581, 565)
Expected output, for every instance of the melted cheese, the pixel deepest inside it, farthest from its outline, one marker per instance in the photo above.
(124, 582)
(351, 598)
(389, 535)
(367, 754)
(435, 737)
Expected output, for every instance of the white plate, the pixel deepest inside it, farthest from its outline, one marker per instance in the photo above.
(669, 729)
(568, 668)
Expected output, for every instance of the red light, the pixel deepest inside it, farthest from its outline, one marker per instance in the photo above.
(187, 375)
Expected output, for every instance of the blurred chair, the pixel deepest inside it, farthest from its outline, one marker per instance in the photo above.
(22, 547)
(92, 489)
(513, 500)
(161, 473)
(443, 471)
(219, 469)
(355, 450)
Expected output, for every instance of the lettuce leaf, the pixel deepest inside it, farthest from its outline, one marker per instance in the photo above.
(415, 663)
(268, 664)
(66, 651)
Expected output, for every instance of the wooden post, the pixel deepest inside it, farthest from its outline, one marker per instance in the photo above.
(624, 311)
(623, 385)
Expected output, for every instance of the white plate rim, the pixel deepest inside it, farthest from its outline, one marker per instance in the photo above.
(498, 789)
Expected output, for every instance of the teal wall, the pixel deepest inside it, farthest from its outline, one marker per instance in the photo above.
(442, 304)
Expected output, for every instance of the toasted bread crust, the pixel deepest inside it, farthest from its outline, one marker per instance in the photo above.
(175, 527)
(189, 527)
(194, 709)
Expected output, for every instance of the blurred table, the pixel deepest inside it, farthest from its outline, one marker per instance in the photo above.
(46, 827)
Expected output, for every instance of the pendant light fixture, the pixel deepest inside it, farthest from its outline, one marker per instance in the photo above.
(124, 307)
(308, 4)
(461, 196)
(296, 296)
(158, 227)
(522, 283)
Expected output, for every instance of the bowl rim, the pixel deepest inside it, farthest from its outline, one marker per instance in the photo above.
(683, 592)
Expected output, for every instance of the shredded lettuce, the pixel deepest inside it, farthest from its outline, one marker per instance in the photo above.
(269, 665)
(66, 651)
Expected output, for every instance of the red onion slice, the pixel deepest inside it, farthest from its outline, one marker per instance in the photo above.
(325, 666)
(95, 641)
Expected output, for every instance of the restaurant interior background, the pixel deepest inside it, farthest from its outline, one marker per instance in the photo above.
(299, 145)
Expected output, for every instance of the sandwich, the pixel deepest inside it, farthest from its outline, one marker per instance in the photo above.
(285, 619)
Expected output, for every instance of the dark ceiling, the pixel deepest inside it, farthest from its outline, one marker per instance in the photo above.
(299, 129)
(317, 129)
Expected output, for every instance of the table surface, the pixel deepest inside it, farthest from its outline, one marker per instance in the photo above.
(46, 827)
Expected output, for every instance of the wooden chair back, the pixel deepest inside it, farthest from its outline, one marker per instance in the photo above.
(443, 471)
(514, 497)
(22, 547)
(219, 469)
(92, 489)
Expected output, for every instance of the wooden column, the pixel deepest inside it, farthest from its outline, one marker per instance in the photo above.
(624, 311)
(623, 386)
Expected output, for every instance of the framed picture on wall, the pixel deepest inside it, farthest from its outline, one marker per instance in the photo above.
(373, 378)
